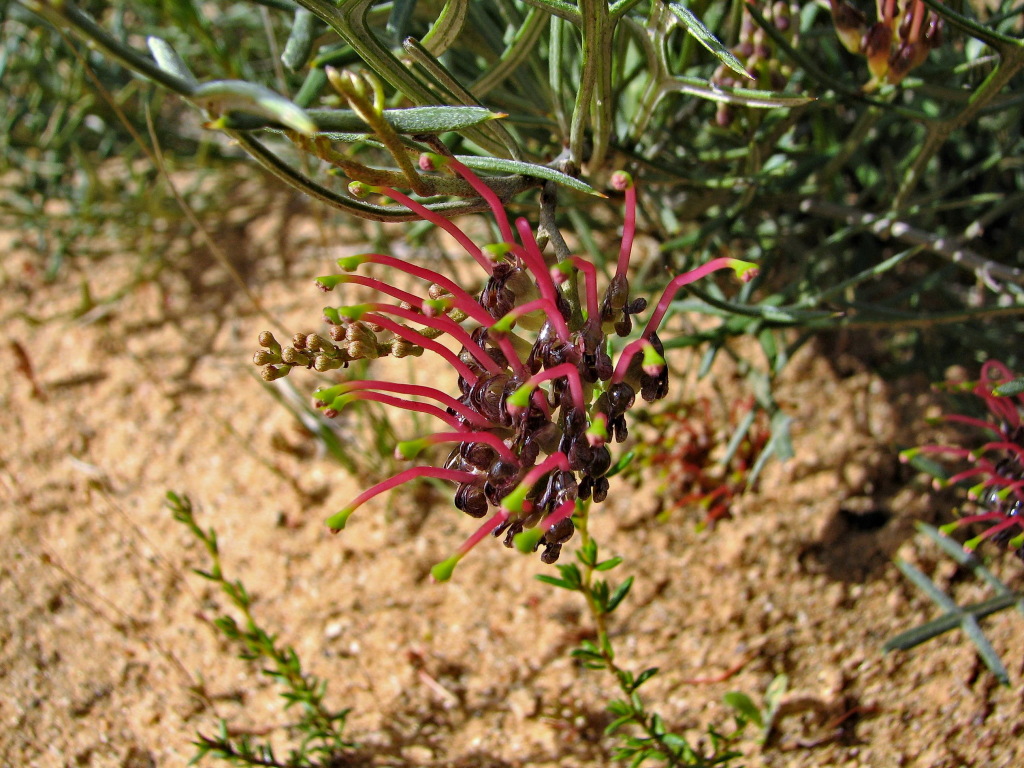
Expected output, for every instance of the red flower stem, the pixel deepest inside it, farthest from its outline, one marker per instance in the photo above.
(628, 231)
(1005, 446)
(417, 390)
(970, 421)
(445, 324)
(629, 352)
(419, 339)
(564, 511)
(409, 405)
(482, 532)
(463, 300)
(535, 261)
(590, 280)
(440, 221)
(915, 26)
(678, 282)
(473, 437)
(454, 475)
(571, 372)
(488, 194)
(508, 348)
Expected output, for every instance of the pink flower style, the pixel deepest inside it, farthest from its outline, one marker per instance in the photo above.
(539, 396)
(996, 467)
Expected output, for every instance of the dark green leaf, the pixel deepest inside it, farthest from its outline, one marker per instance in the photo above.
(619, 594)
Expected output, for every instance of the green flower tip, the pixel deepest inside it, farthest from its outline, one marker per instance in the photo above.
(621, 181)
(360, 189)
(430, 161)
(410, 449)
(339, 403)
(909, 454)
(972, 544)
(337, 521)
(948, 528)
(443, 570)
(329, 282)
(332, 316)
(504, 325)
(562, 271)
(745, 270)
(527, 541)
(496, 251)
(329, 394)
(351, 263)
(653, 363)
(597, 432)
(521, 397)
(1016, 542)
(354, 311)
(513, 503)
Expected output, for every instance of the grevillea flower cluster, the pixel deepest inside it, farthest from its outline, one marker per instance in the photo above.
(995, 467)
(538, 396)
(898, 41)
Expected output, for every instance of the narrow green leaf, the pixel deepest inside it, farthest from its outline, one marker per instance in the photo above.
(703, 36)
(985, 650)
(555, 582)
(607, 565)
(619, 594)
(617, 723)
(300, 40)
(744, 97)
(644, 676)
(501, 165)
(1014, 387)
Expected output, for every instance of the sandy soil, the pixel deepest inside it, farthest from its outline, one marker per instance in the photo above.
(104, 633)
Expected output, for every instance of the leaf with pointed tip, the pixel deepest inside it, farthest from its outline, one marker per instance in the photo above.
(703, 36)
(501, 165)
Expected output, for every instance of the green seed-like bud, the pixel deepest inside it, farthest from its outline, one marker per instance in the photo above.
(267, 340)
(294, 356)
(401, 348)
(265, 357)
(270, 373)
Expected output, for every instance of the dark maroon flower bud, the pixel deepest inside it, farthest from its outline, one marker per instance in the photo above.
(470, 499)
(560, 532)
(601, 487)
